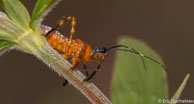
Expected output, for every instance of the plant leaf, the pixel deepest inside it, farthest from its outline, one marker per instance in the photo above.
(8, 29)
(16, 12)
(131, 83)
(5, 44)
(180, 89)
(40, 10)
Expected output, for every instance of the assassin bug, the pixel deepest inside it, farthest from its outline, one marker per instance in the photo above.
(80, 51)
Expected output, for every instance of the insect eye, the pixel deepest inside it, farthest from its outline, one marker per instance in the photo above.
(98, 50)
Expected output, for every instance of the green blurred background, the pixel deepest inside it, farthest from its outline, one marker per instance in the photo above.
(166, 26)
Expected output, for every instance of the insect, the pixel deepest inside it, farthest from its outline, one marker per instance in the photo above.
(80, 51)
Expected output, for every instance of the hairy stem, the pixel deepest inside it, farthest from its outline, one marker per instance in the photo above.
(62, 67)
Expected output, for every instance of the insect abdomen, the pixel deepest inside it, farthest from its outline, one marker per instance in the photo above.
(57, 41)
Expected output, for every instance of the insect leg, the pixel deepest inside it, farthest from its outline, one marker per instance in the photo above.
(85, 70)
(59, 24)
(75, 62)
(97, 69)
(65, 82)
(65, 56)
(73, 23)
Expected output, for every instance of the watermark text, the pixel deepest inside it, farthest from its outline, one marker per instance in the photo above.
(161, 101)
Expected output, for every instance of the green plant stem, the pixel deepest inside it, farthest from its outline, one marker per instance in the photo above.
(48, 55)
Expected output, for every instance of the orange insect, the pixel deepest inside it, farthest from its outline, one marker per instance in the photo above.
(80, 51)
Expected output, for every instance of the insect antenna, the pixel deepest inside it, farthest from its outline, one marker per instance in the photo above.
(132, 50)
(116, 48)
